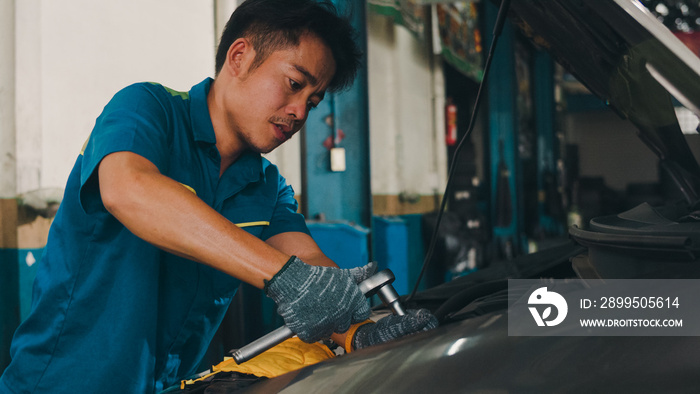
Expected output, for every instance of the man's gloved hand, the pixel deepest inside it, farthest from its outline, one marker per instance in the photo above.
(393, 327)
(317, 301)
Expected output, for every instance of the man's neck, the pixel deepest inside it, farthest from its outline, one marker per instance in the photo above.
(229, 147)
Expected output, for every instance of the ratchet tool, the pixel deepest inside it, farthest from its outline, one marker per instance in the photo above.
(379, 283)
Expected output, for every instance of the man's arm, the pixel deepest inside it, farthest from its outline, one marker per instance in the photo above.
(162, 212)
(301, 245)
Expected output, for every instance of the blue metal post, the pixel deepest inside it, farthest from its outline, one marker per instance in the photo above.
(341, 120)
(9, 302)
(546, 137)
(503, 131)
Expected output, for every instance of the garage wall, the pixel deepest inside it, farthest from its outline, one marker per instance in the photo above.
(406, 101)
(73, 55)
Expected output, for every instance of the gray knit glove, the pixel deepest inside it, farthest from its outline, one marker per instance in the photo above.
(317, 301)
(393, 327)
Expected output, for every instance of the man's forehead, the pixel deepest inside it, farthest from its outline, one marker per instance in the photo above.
(313, 59)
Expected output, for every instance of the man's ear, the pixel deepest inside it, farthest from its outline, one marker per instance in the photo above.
(240, 56)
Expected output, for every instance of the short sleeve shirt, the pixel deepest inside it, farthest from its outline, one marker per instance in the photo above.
(111, 312)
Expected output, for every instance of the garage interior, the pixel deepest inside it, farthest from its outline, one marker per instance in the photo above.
(371, 167)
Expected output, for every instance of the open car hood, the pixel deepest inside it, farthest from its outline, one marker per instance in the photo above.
(632, 62)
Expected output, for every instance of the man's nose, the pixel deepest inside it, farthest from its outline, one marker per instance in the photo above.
(297, 109)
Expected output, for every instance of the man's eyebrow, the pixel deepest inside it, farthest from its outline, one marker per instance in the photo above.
(307, 74)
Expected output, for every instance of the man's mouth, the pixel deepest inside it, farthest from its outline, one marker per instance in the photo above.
(283, 132)
(283, 129)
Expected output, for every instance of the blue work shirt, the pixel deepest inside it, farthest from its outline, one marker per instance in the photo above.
(110, 312)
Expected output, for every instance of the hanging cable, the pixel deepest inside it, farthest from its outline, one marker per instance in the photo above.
(498, 28)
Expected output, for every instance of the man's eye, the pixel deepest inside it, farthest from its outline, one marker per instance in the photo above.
(311, 105)
(294, 84)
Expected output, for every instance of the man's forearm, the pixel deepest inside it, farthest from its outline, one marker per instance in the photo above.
(300, 245)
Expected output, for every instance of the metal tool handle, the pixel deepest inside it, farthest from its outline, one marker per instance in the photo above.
(379, 283)
(261, 344)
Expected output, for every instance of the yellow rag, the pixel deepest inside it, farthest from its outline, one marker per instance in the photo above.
(289, 355)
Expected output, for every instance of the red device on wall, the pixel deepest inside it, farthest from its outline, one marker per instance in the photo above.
(451, 123)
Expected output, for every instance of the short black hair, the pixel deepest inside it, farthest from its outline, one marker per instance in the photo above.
(271, 25)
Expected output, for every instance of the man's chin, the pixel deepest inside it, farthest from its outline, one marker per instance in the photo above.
(263, 147)
(267, 149)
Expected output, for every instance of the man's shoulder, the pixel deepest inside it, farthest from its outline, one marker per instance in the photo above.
(160, 88)
(154, 89)
(149, 97)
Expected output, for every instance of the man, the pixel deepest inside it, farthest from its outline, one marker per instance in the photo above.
(170, 206)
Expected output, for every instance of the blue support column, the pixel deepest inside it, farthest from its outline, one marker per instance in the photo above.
(341, 120)
(390, 250)
(9, 302)
(546, 137)
(503, 135)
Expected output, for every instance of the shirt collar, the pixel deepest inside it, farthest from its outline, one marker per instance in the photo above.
(202, 128)
(250, 165)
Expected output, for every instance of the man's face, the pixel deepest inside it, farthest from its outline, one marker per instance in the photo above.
(272, 101)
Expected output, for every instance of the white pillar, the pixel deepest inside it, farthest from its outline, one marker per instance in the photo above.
(8, 156)
(223, 10)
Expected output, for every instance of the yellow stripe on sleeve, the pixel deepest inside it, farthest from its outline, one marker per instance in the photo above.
(251, 224)
(189, 188)
(82, 150)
